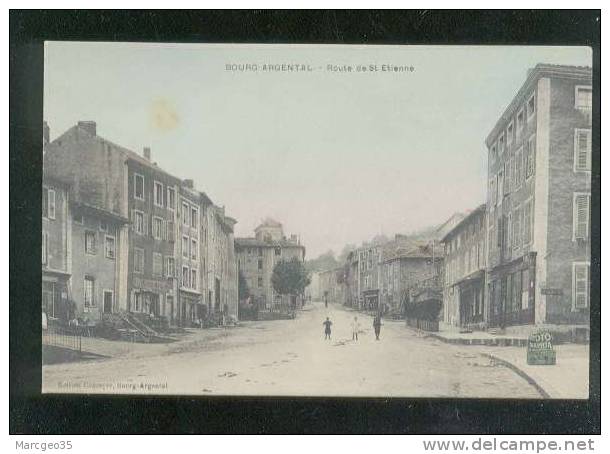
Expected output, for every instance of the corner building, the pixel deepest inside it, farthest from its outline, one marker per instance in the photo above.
(538, 201)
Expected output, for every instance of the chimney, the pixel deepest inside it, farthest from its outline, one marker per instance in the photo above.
(46, 133)
(88, 126)
(188, 183)
(146, 153)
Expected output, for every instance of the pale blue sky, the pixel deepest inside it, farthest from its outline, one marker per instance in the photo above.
(335, 157)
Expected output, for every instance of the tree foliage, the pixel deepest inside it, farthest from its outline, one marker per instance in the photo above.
(290, 277)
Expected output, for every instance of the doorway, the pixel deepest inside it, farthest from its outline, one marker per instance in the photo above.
(108, 300)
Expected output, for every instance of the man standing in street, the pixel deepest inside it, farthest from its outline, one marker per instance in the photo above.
(327, 325)
(377, 326)
(355, 328)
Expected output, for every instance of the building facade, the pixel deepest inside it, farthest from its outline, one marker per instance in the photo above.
(465, 261)
(538, 201)
(258, 256)
(56, 253)
(162, 248)
(403, 268)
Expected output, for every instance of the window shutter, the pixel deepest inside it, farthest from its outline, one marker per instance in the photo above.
(581, 285)
(51, 204)
(582, 216)
(582, 149)
(145, 224)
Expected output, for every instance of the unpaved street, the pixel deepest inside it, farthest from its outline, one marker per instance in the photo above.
(291, 357)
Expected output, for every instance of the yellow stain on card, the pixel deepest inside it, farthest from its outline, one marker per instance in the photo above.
(163, 115)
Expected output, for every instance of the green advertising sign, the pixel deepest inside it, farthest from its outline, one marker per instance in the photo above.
(540, 350)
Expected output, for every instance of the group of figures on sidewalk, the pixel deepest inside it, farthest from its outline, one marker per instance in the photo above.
(355, 327)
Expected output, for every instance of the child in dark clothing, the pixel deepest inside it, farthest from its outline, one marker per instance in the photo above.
(327, 325)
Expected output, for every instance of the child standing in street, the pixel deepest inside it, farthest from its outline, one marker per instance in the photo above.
(377, 326)
(327, 325)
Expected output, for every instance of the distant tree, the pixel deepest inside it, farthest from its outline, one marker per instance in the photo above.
(242, 287)
(345, 252)
(323, 262)
(290, 277)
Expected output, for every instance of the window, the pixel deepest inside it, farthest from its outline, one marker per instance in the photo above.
(260, 252)
(169, 231)
(509, 133)
(185, 276)
(260, 282)
(78, 218)
(527, 221)
(138, 186)
(278, 251)
(89, 288)
(45, 248)
(138, 260)
(136, 301)
(492, 193)
(520, 122)
(517, 227)
(580, 285)
(103, 226)
(110, 247)
(260, 264)
(501, 144)
(500, 186)
(157, 264)
(90, 242)
(171, 198)
(185, 247)
(48, 203)
(507, 175)
(158, 194)
(194, 249)
(582, 150)
(194, 217)
(185, 213)
(157, 228)
(518, 167)
(170, 267)
(581, 216)
(583, 97)
(530, 157)
(194, 279)
(493, 153)
(509, 230)
(139, 222)
(531, 106)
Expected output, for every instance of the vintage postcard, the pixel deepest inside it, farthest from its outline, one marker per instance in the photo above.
(316, 220)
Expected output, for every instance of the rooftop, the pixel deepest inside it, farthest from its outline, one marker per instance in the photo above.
(464, 221)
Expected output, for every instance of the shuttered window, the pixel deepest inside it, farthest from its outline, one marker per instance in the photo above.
(530, 162)
(89, 286)
(582, 149)
(527, 222)
(581, 215)
(518, 167)
(580, 285)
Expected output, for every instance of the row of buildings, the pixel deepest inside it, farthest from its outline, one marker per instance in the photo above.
(122, 235)
(523, 256)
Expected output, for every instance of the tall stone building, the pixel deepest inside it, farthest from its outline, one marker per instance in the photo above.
(258, 255)
(538, 201)
(169, 256)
